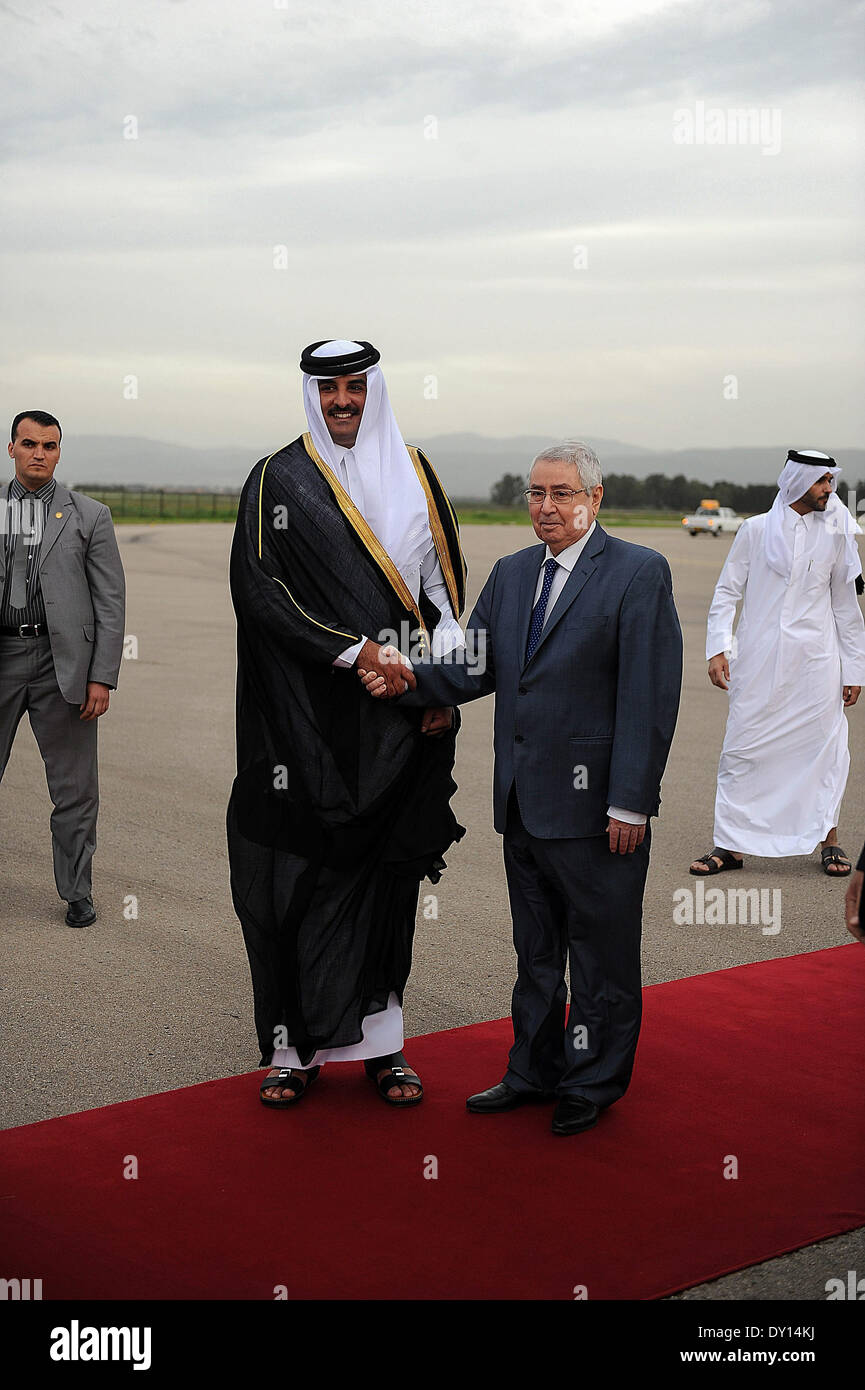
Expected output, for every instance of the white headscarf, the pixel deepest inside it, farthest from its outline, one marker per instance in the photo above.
(385, 487)
(794, 481)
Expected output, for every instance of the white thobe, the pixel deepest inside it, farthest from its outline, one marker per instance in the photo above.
(383, 1033)
(785, 759)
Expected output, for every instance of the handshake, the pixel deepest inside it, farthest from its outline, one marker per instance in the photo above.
(386, 673)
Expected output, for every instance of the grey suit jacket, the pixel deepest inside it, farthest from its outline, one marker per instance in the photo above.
(588, 722)
(84, 591)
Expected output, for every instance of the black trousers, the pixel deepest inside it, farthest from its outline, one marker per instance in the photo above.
(574, 903)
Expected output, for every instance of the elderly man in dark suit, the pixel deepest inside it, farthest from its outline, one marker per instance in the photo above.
(62, 603)
(580, 641)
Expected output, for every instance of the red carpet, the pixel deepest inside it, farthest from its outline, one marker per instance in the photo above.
(761, 1062)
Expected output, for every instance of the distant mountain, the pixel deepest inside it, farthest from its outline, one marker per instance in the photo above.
(744, 465)
(468, 464)
(135, 462)
(523, 445)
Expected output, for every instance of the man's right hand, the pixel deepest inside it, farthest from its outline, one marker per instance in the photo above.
(388, 665)
(719, 671)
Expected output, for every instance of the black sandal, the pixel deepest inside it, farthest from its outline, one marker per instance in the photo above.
(288, 1076)
(728, 861)
(399, 1074)
(834, 854)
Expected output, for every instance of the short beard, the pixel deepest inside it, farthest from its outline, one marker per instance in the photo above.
(818, 504)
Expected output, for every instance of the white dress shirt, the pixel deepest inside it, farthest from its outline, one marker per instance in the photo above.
(448, 633)
(566, 559)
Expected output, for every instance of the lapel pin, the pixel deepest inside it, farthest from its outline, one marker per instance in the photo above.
(58, 515)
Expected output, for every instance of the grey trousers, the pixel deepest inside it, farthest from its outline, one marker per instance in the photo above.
(574, 903)
(68, 747)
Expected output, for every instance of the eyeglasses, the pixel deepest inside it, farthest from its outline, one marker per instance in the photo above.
(562, 496)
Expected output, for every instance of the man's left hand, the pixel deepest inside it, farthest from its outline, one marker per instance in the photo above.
(850, 694)
(97, 700)
(437, 721)
(624, 838)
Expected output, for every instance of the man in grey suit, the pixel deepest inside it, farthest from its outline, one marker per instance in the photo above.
(580, 641)
(62, 605)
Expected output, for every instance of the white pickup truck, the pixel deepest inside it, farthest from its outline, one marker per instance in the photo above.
(712, 519)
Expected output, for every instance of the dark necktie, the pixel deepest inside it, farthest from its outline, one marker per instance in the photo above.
(540, 610)
(23, 541)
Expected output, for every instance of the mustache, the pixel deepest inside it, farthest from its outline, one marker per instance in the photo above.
(352, 409)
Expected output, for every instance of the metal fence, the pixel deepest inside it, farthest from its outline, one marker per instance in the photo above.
(164, 504)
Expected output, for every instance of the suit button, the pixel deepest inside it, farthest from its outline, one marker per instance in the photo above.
(518, 738)
(522, 690)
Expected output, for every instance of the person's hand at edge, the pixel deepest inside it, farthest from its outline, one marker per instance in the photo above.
(852, 902)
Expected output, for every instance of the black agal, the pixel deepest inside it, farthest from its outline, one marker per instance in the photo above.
(343, 365)
(819, 461)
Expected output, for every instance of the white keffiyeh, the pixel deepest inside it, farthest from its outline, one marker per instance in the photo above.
(794, 481)
(383, 483)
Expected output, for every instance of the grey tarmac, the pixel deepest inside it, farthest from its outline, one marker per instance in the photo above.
(133, 1006)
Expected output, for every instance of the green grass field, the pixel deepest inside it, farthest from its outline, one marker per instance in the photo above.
(151, 507)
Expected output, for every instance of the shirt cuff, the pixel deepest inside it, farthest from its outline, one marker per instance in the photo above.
(447, 636)
(720, 644)
(350, 655)
(629, 817)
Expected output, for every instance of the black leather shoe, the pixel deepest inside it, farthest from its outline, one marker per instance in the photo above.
(81, 913)
(573, 1114)
(499, 1098)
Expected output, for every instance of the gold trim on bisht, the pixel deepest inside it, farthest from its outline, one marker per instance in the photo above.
(261, 492)
(365, 533)
(352, 637)
(436, 528)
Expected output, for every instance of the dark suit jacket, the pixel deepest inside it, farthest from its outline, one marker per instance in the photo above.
(83, 589)
(597, 703)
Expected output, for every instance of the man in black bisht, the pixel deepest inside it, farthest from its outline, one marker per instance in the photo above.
(345, 546)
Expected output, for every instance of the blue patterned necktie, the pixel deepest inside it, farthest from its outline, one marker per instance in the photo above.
(540, 610)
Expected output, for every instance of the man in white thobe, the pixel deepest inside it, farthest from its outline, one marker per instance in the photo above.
(796, 661)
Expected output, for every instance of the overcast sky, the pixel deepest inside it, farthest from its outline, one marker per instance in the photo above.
(506, 198)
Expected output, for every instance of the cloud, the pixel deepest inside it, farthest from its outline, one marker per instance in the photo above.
(219, 69)
(306, 126)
